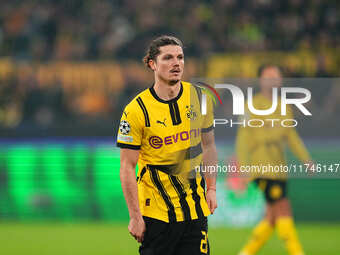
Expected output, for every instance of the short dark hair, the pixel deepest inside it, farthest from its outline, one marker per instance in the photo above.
(265, 66)
(153, 49)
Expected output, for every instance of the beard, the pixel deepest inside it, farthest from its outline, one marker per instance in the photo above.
(173, 82)
(170, 82)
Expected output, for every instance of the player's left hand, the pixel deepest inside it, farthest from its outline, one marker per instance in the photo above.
(211, 200)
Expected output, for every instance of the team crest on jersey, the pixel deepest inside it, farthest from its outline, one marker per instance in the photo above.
(191, 114)
(124, 127)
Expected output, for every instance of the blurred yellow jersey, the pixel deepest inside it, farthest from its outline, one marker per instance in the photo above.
(265, 146)
(168, 135)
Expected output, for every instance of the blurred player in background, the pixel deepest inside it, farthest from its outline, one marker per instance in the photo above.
(163, 129)
(266, 146)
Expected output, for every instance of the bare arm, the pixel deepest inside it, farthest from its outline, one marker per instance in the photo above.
(128, 161)
(210, 159)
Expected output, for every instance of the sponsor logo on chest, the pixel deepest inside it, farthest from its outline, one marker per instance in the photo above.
(157, 142)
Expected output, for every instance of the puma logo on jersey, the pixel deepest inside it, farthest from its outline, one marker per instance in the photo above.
(162, 122)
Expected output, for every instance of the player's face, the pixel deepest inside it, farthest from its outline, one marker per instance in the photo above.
(271, 78)
(169, 64)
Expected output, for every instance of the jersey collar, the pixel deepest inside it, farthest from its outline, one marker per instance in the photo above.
(153, 93)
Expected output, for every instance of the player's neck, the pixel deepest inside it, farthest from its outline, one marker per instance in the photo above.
(165, 91)
(267, 94)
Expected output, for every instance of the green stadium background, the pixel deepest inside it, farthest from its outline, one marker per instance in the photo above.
(78, 180)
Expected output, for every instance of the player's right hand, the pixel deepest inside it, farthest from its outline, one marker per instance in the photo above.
(137, 228)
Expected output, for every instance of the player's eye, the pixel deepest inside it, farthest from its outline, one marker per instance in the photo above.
(167, 57)
(180, 57)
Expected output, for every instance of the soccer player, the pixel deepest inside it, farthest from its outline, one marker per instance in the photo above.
(163, 130)
(265, 146)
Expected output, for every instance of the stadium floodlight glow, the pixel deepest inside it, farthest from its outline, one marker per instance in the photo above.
(239, 98)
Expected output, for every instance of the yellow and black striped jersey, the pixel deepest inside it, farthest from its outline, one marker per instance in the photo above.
(168, 135)
(266, 145)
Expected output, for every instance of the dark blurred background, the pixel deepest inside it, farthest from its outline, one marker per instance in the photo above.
(66, 66)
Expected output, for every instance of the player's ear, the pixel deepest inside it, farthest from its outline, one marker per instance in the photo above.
(152, 64)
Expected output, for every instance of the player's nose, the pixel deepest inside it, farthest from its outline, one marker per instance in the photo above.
(175, 64)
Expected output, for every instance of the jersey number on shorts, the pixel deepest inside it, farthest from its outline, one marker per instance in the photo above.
(204, 243)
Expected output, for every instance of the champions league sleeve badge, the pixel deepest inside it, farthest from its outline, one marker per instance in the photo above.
(124, 127)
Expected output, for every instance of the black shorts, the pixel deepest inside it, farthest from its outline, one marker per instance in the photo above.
(273, 190)
(179, 238)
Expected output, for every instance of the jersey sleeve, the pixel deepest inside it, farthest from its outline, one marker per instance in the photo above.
(243, 139)
(295, 142)
(130, 129)
(208, 122)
